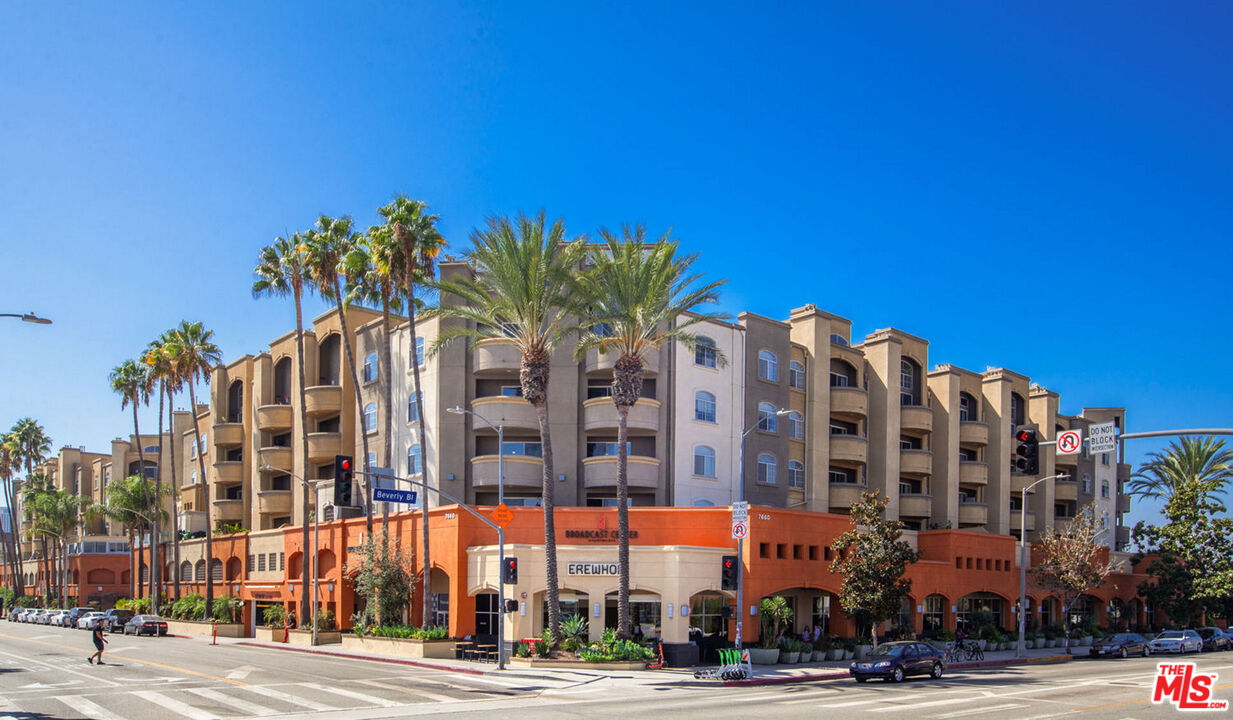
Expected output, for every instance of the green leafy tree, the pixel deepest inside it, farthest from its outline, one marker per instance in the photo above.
(873, 557)
(1071, 561)
(1200, 465)
(775, 616)
(382, 576)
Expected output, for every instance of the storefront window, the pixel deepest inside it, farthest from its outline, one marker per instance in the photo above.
(572, 603)
(933, 618)
(706, 614)
(440, 609)
(486, 610)
(822, 613)
(643, 613)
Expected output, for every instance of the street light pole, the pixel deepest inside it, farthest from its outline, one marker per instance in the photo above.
(28, 317)
(316, 537)
(740, 542)
(1020, 648)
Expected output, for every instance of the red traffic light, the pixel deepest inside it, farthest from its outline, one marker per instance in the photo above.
(346, 464)
(1024, 434)
(727, 563)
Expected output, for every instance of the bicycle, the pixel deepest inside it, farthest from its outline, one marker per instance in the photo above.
(953, 652)
(974, 652)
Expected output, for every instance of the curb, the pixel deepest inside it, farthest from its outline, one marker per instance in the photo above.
(843, 675)
(395, 661)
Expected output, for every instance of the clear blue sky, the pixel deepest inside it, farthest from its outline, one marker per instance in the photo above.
(1054, 177)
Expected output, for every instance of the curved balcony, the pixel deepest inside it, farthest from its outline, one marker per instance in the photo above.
(322, 400)
(275, 502)
(850, 402)
(226, 434)
(597, 362)
(916, 419)
(973, 473)
(849, 449)
(915, 462)
(513, 412)
(520, 471)
(1123, 535)
(973, 433)
(323, 446)
(973, 514)
(643, 472)
(274, 417)
(844, 495)
(495, 354)
(1029, 518)
(601, 414)
(915, 506)
(1066, 490)
(229, 472)
(1065, 460)
(1123, 503)
(277, 456)
(227, 511)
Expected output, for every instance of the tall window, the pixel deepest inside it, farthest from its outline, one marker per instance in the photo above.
(370, 367)
(704, 406)
(796, 425)
(704, 461)
(1087, 483)
(907, 382)
(796, 375)
(767, 467)
(768, 419)
(370, 417)
(1104, 488)
(419, 351)
(796, 474)
(413, 410)
(705, 353)
(768, 366)
(415, 464)
(1016, 408)
(967, 407)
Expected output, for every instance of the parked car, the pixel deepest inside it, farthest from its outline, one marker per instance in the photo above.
(1120, 645)
(57, 618)
(146, 625)
(90, 620)
(1177, 641)
(115, 618)
(44, 616)
(896, 660)
(1214, 639)
(14, 613)
(75, 614)
(27, 615)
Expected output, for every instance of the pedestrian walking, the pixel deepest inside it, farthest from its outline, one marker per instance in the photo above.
(99, 642)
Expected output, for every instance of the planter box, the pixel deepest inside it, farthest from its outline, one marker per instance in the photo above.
(271, 634)
(305, 637)
(863, 650)
(575, 664)
(834, 654)
(788, 658)
(205, 629)
(759, 656)
(849, 654)
(401, 647)
(818, 656)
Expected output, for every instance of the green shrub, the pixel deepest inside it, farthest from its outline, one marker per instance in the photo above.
(523, 650)
(574, 631)
(325, 620)
(609, 649)
(946, 635)
(189, 607)
(435, 632)
(544, 646)
(276, 616)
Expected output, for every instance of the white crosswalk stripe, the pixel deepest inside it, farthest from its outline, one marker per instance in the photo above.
(427, 694)
(237, 703)
(175, 706)
(981, 710)
(287, 697)
(355, 695)
(88, 708)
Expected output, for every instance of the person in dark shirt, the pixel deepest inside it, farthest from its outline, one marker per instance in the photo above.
(99, 642)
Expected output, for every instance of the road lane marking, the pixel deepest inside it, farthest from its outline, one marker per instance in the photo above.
(174, 705)
(88, 708)
(237, 703)
(241, 673)
(412, 691)
(854, 703)
(932, 703)
(96, 678)
(288, 698)
(978, 711)
(92, 677)
(380, 701)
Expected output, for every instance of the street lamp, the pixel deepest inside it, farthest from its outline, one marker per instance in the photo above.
(500, 530)
(740, 542)
(28, 317)
(1020, 649)
(316, 535)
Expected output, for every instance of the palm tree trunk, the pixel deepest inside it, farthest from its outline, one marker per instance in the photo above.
(622, 481)
(141, 559)
(209, 543)
(157, 509)
(175, 488)
(132, 563)
(298, 289)
(550, 529)
(141, 472)
(46, 567)
(387, 380)
(359, 401)
(426, 564)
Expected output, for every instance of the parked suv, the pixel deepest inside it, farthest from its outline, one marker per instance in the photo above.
(115, 618)
(1213, 639)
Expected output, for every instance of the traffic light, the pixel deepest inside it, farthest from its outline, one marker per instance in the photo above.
(511, 606)
(343, 475)
(729, 577)
(509, 573)
(1027, 450)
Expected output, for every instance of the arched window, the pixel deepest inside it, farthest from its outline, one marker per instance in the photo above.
(1016, 408)
(767, 468)
(370, 417)
(235, 402)
(704, 461)
(1104, 488)
(796, 474)
(909, 382)
(370, 367)
(199, 571)
(768, 418)
(705, 353)
(796, 425)
(282, 382)
(839, 340)
(967, 408)
(768, 365)
(413, 410)
(186, 571)
(796, 374)
(704, 406)
(415, 464)
(216, 570)
(419, 351)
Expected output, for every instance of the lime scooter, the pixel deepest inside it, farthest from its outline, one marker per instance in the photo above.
(733, 665)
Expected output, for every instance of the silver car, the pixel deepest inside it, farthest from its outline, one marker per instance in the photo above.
(1177, 641)
(90, 620)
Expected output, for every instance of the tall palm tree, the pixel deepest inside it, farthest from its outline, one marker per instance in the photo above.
(36, 485)
(1201, 462)
(9, 460)
(523, 274)
(127, 502)
(161, 372)
(281, 272)
(639, 299)
(417, 243)
(59, 513)
(33, 444)
(131, 382)
(163, 365)
(197, 356)
(372, 281)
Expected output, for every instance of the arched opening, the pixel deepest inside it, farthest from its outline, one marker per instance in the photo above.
(282, 382)
(234, 567)
(199, 571)
(439, 601)
(979, 610)
(328, 360)
(909, 382)
(644, 614)
(572, 603)
(969, 410)
(843, 374)
(326, 562)
(235, 401)
(151, 468)
(1017, 409)
(100, 576)
(1082, 613)
(295, 566)
(125, 578)
(186, 571)
(216, 570)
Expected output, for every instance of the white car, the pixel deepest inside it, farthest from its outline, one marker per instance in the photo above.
(89, 620)
(57, 618)
(1177, 641)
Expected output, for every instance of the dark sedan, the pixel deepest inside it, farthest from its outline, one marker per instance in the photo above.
(115, 619)
(1214, 639)
(1120, 645)
(146, 625)
(895, 660)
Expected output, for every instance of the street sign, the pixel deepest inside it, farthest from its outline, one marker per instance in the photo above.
(396, 496)
(502, 515)
(1101, 438)
(383, 477)
(740, 511)
(740, 530)
(1069, 442)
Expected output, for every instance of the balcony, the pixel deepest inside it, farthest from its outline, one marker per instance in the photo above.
(915, 506)
(849, 402)
(601, 414)
(1066, 490)
(512, 412)
(227, 434)
(597, 362)
(278, 456)
(973, 433)
(1018, 482)
(849, 449)
(1029, 518)
(916, 419)
(1123, 503)
(520, 471)
(323, 446)
(845, 495)
(601, 472)
(915, 462)
(229, 472)
(971, 513)
(274, 502)
(274, 417)
(495, 354)
(1061, 461)
(228, 511)
(973, 473)
(322, 400)
(1123, 535)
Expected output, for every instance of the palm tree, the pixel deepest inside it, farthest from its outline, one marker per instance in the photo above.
(196, 355)
(280, 272)
(369, 266)
(32, 490)
(10, 455)
(1202, 462)
(127, 502)
(160, 370)
(163, 366)
(58, 514)
(520, 293)
(417, 243)
(33, 445)
(639, 299)
(131, 382)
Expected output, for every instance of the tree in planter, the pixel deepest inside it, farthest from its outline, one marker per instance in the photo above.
(383, 576)
(276, 616)
(227, 607)
(1071, 561)
(873, 557)
(775, 615)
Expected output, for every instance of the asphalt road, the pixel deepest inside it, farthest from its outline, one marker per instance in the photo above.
(43, 674)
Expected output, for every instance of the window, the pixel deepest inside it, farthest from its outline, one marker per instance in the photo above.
(839, 340)
(1016, 408)
(415, 464)
(523, 449)
(251, 562)
(194, 478)
(419, 351)
(1104, 488)
(606, 449)
(598, 388)
(967, 407)
(704, 461)
(511, 391)
(603, 330)
(796, 425)
(768, 417)
(1087, 483)
(768, 366)
(705, 353)
(907, 382)
(370, 367)
(261, 563)
(796, 375)
(796, 474)
(413, 410)
(842, 475)
(282, 561)
(766, 468)
(838, 380)
(704, 406)
(370, 417)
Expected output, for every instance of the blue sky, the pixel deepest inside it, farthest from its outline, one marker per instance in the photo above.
(1054, 177)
